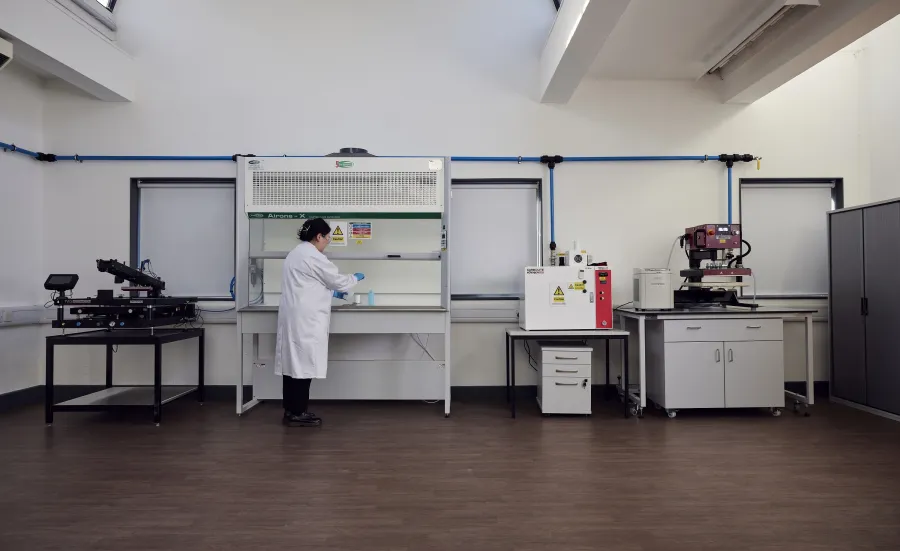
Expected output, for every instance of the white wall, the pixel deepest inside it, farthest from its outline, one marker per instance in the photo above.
(417, 78)
(21, 231)
(879, 58)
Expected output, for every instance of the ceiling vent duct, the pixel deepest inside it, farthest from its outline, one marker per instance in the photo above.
(776, 14)
(351, 152)
(6, 53)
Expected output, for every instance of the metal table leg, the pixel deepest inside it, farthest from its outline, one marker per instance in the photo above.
(157, 383)
(507, 367)
(48, 386)
(512, 370)
(109, 365)
(201, 344)
(606, 386)
(625, 377)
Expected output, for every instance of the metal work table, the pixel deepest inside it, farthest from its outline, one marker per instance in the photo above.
(513, 335)
(718, 312)
(113, 397)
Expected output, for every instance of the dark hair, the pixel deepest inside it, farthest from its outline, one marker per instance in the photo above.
(312, 228)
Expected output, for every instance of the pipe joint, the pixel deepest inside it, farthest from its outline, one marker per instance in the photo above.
(551, 160)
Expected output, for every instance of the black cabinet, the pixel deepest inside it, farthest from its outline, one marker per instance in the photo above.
(864, 264)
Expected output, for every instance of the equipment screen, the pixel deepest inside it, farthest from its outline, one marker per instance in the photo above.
(59, 279)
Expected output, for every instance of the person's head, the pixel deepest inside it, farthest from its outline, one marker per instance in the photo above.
(317, 232)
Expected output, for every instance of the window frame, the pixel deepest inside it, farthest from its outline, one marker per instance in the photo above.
(135, 216)
(538, 184)
(837, 202)
(110, 7)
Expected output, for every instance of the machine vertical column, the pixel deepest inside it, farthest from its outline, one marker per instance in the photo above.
(109, 365)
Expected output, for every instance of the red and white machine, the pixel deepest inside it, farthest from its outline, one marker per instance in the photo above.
(566, 297)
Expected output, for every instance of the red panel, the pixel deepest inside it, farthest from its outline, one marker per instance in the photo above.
(603, 298)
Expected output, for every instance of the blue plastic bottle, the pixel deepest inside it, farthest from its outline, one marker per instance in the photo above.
(371, 298)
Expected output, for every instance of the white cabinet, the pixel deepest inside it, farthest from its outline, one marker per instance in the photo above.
(754, 374)
(565, 383)
(695, 376)
(715, 363)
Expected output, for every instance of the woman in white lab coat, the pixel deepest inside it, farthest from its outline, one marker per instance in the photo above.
(308, 283)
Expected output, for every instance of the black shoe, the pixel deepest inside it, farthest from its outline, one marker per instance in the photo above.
(302, 420)
(313, 415)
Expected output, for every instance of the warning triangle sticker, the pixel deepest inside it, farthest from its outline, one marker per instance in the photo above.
(558, 292)
(571, 286)
(337, 231)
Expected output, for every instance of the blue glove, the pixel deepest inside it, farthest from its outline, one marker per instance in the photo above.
(338, 294)
(359, 276)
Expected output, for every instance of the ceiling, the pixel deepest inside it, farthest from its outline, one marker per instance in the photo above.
(671, 39)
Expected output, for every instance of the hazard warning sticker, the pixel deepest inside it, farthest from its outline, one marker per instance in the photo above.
(558, 296)
(576, 286)
(339, 234)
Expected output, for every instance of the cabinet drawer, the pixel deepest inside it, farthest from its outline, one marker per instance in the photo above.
(565, 395)
(566, 370)
(566, 356)
(720, 330)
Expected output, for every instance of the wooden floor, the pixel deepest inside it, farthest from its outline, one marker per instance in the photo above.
(400, 476)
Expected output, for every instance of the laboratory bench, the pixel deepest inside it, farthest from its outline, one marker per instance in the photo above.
(112, 397)
(716, 357)
(514, 335)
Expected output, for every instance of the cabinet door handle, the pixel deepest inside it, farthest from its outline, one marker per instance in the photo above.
(864, 306)
(730, 355)
(567, 371)
(565, 358)
(754, 327)
(694, 328)
(718, 355)
(566, 384)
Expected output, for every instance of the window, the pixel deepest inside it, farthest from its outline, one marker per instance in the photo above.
(185, 227)
(495, 232)
(108, 4)
(785, 222)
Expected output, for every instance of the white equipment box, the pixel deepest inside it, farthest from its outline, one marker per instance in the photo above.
(566, 297)
(564, 386)
(653, 289)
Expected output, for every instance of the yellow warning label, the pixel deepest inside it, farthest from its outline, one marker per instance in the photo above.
(571, 286)
(559, 296)
(339, 234)
(578, 286)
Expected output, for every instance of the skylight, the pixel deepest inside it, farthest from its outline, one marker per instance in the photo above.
(108, 4)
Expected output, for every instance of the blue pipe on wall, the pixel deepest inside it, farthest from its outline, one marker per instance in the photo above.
(9, 146)
(729, 195)
(552, 211)
(142, 158)
(497, 159)
(643, 158)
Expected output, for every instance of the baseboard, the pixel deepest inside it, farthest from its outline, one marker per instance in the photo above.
(225, 393)
(21, 398)
(820, 388)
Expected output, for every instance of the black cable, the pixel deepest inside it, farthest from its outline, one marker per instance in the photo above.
(531, 361)
(623, 305)
(740, 258)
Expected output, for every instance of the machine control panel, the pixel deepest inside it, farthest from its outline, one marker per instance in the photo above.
(714, 236)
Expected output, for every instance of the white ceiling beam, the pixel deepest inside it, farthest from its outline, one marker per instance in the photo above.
(822, 32)
(50, 38)
(578, 35)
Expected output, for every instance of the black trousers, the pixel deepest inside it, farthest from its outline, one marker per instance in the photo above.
(295, 394)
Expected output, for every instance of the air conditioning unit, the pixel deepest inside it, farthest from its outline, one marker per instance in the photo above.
(759, 25)
(6, 53)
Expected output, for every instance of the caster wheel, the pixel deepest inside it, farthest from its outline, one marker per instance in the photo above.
(671, 414)
(776, 412)
(446, 416)
(806, 414)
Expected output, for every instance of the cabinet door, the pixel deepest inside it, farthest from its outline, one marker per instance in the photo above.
(694, 375)
(881, 227)
(848, 326)
(754, 374)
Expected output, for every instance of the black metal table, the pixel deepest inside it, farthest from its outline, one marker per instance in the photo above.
(115, 397)
(513, 335)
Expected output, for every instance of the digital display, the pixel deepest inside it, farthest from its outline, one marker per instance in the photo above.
(725, 229)
(59, 279)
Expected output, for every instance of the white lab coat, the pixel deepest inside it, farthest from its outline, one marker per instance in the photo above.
(304, 312)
